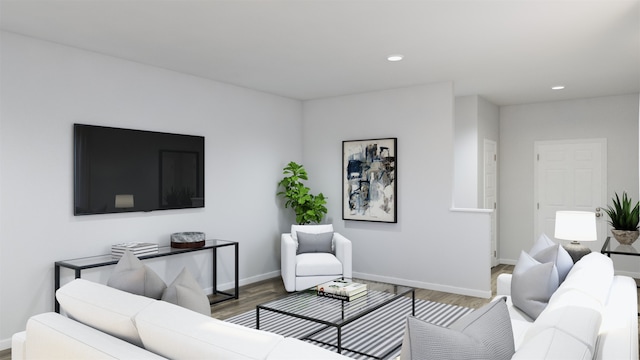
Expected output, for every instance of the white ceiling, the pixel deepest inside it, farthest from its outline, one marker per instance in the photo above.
(508, 51)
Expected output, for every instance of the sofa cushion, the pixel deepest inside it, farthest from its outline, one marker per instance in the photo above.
(291, 349)
(102, 307)
(186, 292)
(317, 264)
(314, 243)
(484, 334)
(131, 275)
(581, 323)
(178, 333)
(532, 284)
(53, 336)
(593, 275)
(544, 250)
(553, 344)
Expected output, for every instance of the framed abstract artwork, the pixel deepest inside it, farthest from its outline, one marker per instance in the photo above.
(369, 183)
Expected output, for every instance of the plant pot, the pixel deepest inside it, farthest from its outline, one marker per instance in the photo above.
(625, 237)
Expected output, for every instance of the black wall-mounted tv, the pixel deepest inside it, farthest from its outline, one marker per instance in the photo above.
(123, 170)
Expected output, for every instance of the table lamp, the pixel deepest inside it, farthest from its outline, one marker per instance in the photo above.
(576, 226)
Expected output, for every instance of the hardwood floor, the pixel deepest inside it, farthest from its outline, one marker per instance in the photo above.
(257, 293)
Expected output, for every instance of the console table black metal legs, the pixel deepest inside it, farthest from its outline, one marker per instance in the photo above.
(104, 260)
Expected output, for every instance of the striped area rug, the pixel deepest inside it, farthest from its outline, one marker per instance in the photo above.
(376, 333)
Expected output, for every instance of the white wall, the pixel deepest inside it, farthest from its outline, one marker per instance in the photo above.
(476, 119)
(46, 87)
(489, 129)
(614, 118)
(466, 166)
(430, 246)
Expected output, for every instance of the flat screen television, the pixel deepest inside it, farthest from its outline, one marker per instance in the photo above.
(123, 170)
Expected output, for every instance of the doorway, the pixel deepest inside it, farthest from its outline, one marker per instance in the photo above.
(570, 175)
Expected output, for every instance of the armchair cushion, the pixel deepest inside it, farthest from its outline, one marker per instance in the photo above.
(314, 264)
(315, 243)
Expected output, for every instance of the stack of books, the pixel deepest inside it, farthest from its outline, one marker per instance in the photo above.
(137, 248)
(342, 289)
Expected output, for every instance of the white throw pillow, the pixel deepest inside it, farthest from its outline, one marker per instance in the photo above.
(532, 284)
(132, 276)
(186, 292)
(545, 250)
(483, 334)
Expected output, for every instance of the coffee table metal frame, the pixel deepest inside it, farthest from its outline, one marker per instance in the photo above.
(348, 312)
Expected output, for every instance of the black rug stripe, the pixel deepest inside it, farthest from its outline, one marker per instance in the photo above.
(375, 333)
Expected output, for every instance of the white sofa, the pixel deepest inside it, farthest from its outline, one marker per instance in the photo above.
(592, 315)
(106, 323)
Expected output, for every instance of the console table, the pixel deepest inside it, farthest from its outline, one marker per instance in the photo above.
(105, 260)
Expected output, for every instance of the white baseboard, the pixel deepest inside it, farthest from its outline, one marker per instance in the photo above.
(5, 344)
(632, 274)
(228, 286)
(424, 285)
(507, 261)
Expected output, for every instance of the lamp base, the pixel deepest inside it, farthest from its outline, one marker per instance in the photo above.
(576, 250)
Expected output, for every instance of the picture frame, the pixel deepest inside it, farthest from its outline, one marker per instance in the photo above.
(369, 180)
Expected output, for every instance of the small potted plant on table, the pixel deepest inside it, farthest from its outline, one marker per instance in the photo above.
(624, 219)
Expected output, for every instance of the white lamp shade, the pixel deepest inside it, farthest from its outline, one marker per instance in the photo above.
(124, 201)
(576, 226)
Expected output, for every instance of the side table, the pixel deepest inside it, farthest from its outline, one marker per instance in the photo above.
(614, 247)
(619, 249)
(104, 260)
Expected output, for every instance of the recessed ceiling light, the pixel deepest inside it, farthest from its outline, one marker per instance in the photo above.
(395, 57)
(559, 87)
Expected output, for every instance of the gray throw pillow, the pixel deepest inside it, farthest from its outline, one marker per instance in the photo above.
(132, 276)
(532, 284)
(483, 334)
(186, 292)
(545, 250)
(315, 243)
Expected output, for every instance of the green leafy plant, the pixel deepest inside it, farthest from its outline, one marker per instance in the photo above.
(622, 215)
(309, 208)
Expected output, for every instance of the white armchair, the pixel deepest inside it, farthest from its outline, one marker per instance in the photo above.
(304, 270)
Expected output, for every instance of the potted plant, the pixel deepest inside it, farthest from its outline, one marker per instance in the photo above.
(624, 219)
(309, 208)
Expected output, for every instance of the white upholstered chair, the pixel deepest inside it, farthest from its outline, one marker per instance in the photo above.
(320, 264)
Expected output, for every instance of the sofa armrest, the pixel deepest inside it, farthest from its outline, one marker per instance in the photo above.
(288, 261)
(503, 285)
(618, 337)
(18, 345)
(343, 253)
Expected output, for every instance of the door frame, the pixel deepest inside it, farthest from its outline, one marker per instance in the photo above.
(495, 245)
(603, 183)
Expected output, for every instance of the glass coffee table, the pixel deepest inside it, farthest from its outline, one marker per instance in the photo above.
(335, 313)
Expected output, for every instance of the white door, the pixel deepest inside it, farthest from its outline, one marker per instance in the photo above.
(570, 175)
(491, 191)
